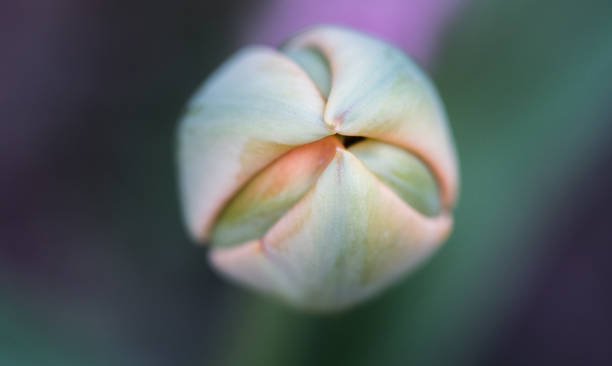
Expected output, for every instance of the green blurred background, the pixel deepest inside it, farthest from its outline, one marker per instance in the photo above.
(96, 267)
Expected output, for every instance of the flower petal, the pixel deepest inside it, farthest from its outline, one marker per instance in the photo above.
(378, 92)
(347, 238)
(270, 194)
(256, 107)
(314, 63)
(248, 264)
(403, 172)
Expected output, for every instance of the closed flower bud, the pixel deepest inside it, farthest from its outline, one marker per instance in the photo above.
(320, 172)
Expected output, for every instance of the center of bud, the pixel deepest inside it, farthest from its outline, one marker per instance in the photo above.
(350, 140)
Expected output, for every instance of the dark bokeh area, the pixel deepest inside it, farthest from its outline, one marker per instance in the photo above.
(564, 318)
(96, 267)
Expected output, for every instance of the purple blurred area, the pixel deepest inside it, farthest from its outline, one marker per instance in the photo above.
(413, 25)
(95, 265)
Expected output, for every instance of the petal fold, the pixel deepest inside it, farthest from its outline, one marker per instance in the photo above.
(271, 193)
(378, 92)
(403, 172)
(256, 107)
(341, 243)
(315, 64)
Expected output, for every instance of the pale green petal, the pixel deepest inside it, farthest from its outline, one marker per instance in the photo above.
(403, 172)
(378, 92)
(314, 63)
(256, 107)
(345, 240)
(272, 193)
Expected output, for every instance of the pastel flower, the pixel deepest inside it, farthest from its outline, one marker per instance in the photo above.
(320, 172)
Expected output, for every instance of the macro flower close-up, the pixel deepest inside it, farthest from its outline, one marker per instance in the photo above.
(319, 172)
(306, 182)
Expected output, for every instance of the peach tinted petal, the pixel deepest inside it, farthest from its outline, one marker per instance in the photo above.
(270, 194)
(248, 264)
(254, 108)
(346, 239)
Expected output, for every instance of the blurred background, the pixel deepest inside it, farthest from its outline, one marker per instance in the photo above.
(96, 267)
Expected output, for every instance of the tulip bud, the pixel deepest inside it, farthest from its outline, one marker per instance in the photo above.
(320, 172)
